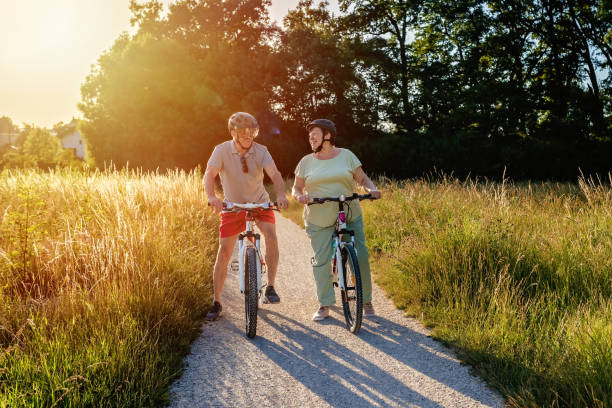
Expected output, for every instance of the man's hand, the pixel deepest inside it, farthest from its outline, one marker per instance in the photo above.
(282, 203)
(216, 204)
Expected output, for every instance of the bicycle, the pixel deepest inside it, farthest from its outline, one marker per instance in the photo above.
(345, 265)
(251, 264)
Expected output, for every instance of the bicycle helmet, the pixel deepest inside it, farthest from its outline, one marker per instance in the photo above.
(242, 120)
(325, 125)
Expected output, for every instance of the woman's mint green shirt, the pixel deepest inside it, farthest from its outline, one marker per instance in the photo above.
(329, 178)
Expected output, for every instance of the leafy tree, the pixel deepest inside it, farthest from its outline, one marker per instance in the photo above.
(162, 97)
(385, 26)
(6, 125)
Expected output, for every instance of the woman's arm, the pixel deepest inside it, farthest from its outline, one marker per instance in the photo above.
(363, 180)
(298, 190)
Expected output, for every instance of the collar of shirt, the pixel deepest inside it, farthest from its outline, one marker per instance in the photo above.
(250, 151)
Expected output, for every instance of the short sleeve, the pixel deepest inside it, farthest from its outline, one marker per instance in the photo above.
(216, 159)
(267, 158)
(352, 160)
(300, 170)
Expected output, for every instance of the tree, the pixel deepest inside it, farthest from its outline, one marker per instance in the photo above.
(162, 97)
(385, 27)
(6, 125)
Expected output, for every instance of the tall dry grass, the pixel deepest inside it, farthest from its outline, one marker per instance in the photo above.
(517, 277)
(104, 278)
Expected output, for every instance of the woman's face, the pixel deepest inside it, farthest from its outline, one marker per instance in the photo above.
(315, 137)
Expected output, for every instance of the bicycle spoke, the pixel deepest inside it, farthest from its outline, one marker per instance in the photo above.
(351, 295)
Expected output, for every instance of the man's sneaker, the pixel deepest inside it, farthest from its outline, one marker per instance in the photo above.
(214, 311)
(368, 310)
(271, 296)
(321, 314)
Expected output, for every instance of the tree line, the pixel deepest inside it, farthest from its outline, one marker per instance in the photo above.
(34, 146)
(469, 87)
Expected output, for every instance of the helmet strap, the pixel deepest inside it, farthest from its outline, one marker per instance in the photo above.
(320, 147)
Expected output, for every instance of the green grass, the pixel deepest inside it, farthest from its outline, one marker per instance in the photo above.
(294, 212)
(518, 278)
(104, 280)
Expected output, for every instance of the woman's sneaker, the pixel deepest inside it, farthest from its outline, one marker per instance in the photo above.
(214, 311)
(368, 310)
(321, 314)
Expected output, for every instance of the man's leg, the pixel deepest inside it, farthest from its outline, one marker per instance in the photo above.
(226, 248)
(269, 232)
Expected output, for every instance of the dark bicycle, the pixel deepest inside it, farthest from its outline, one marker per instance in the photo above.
(345, 265)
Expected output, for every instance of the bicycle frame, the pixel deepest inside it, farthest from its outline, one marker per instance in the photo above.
(253, 239)
(338, 243)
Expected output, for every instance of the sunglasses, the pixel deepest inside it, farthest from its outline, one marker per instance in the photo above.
(247, 133)
(245, 168)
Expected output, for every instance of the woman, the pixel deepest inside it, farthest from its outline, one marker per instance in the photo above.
(329, 172)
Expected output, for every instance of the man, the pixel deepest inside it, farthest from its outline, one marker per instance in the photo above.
(240, 163)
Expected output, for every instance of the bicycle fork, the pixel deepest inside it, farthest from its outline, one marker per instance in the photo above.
(242, 247)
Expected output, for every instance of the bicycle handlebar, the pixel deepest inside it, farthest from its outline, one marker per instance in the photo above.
(342, 198)
(228, 206)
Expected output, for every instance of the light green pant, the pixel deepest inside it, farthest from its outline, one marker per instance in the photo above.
(321, 242)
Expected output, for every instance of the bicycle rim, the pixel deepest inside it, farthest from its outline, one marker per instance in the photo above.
(251, 295)
(352, 295)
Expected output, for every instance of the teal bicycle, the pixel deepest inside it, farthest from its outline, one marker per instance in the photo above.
(345, 265)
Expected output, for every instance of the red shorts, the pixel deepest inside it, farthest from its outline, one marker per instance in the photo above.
(233, 223)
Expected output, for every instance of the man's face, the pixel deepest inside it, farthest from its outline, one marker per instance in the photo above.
(245, 136)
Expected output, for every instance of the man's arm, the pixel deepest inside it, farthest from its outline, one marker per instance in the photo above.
(209, 188)
(279, 185)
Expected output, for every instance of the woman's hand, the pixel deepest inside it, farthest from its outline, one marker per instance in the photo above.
(302, 198)
(375, 193)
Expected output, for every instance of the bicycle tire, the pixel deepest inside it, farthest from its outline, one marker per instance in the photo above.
(251, 295)
(352, 295)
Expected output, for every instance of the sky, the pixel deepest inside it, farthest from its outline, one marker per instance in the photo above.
(47, 49)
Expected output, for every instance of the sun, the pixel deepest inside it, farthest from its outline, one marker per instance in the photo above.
(53, 29)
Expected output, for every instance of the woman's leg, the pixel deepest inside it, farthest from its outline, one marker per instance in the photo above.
(362, 257)
(321, 242)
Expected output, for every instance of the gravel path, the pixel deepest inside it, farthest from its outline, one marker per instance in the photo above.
(296, 362)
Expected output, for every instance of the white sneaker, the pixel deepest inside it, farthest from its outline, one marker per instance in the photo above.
(368, 310)
(321, 314)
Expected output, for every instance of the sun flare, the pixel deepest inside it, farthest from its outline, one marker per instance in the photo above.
(54, 29)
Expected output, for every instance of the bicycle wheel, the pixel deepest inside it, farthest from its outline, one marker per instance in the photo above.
(352, 296)
(251, 296)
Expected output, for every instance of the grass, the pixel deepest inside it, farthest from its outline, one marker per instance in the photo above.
(105, 277)
(516, 277)
(104, 280)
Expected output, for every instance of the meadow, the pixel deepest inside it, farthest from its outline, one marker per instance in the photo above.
(104, 280)
(516, 277)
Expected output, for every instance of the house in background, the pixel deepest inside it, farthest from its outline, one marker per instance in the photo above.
(71, 139)
(7, 138)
